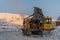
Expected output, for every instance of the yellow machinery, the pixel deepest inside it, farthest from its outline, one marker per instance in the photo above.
(47, 23)
(36, 23)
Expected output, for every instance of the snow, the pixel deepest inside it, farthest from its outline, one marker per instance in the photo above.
(13, 18)
(12, 35)
(9, 31)
(18, 36)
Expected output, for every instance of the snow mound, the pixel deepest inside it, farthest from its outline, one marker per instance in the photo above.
(5, 26)
(13, 18)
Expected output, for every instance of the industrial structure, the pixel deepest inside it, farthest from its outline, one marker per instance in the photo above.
(37, 23)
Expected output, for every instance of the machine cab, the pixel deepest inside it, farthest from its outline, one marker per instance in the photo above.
(47, 23)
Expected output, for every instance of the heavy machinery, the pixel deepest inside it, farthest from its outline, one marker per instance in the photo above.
(36, 23)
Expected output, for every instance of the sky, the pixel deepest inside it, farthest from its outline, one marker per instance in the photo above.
(49, 7)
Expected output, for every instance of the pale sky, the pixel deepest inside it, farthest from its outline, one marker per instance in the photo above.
(49, 7)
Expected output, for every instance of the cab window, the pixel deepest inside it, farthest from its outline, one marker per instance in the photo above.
(48, 21)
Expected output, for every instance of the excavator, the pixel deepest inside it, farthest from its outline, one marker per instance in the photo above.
(37, 23)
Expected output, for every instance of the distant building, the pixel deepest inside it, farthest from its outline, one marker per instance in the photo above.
(58, 21)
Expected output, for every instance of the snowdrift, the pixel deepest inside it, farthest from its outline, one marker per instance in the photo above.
(13, 18)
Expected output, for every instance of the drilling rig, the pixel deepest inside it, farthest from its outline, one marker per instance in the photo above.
(36, 23)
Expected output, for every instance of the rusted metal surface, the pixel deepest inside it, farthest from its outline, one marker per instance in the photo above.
(57, 23)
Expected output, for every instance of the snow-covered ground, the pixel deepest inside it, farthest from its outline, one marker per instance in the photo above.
(5, 26)
(8, 32)
(11, 35)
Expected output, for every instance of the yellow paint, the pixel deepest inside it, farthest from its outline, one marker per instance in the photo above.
(47, 26)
